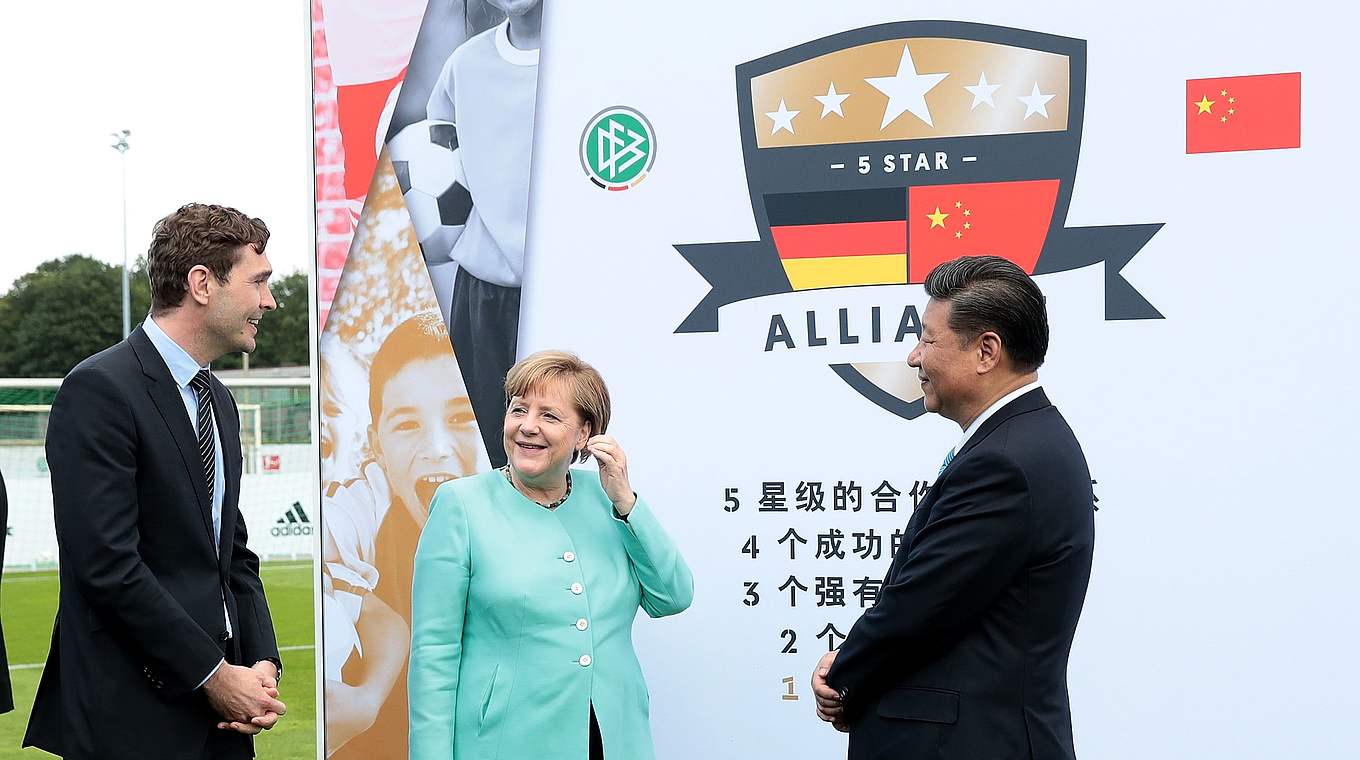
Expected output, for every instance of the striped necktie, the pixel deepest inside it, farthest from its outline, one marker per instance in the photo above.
(947, 459)
(206, 445)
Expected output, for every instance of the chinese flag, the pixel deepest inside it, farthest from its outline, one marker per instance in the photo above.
(1242, 113)
(1006, 219)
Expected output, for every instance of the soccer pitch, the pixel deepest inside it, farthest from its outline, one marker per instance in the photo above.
(28, 602)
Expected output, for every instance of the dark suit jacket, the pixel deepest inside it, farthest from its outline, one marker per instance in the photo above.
(142, 579)
(6, 691)
(965, 654)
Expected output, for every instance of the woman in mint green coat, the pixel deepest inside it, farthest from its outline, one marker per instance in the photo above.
(527, 581)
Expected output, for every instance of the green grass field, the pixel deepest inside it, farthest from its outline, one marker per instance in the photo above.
(28, 602)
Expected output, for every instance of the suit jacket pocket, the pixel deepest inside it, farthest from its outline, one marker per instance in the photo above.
(920, 703)
(486, 697)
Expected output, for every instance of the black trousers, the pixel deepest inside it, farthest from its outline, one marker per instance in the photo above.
(596, 743)
(484, 329)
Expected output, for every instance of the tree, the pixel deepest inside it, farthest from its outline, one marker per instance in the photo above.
(61, 312)
(69, 308)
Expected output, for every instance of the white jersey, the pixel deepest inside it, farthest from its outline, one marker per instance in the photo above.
(487, 88)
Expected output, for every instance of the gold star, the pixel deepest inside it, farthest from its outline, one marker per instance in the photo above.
(968, 212)
(1232, 111)
(1223, 119)
(958, 234)
(1205, 105)
(968, 225)
(1232, 100)
(1224, 93)
(958, 204)
(936, 219)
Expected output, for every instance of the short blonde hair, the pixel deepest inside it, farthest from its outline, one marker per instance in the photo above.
(584, 385)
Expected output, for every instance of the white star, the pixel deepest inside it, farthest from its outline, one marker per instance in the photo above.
(831, 101)
(783, 118)
(1035, 102)
(982, 92)
(906, 90)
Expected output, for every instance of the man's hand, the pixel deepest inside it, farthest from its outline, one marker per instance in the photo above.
(269, 671)
(269, 678)
(829, 706)
(243, 695)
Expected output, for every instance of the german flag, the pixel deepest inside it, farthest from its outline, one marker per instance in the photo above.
(840, 238)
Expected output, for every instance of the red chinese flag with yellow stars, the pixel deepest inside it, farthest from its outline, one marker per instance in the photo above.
(1242, 113)
(1006, 219)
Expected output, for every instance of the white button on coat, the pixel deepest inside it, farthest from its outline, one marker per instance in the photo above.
(585, 660)
(581, 624)
(569, 556)
(577, 588)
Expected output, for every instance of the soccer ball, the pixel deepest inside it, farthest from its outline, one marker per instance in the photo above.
(430, 174)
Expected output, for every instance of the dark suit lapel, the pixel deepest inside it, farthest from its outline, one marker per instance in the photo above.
(165, 394)
(229, 430)
(1028, 402)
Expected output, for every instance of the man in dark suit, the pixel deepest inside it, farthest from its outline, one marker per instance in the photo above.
(163, 645)
(965, 654)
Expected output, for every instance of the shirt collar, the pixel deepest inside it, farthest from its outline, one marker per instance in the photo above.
(182, 365)
(509, 52)
(1006, 399)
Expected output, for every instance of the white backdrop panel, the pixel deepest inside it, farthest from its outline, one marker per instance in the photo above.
(1220, 619)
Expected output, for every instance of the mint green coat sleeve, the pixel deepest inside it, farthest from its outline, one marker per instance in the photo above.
(667, 583)
(438, 606)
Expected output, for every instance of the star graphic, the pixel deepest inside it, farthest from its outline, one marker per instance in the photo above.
(1205, 105)
(958, 234)
(831, 101)
(1035, 102)
(968, 225)
(968, 212)
(1224, 93)
(982, 91)
(958, 204)
(1232, 100)
(906, 90)
(1232, 111)
(937, 218)
(1223, 119)
(783, 118)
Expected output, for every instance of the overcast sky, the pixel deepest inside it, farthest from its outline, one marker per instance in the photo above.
(217, 96)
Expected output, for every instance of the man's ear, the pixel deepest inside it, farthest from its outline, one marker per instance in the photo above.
(989, 352)
(198, 282)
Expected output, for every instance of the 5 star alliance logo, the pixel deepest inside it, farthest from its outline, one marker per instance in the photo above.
(876, 154)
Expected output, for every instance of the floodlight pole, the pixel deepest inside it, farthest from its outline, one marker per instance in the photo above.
(121, 145)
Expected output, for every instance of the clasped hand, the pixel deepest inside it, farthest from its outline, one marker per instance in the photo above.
(247, 698)
(829, 706)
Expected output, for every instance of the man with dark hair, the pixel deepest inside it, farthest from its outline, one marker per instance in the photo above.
(163, 645)
(965, 654)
